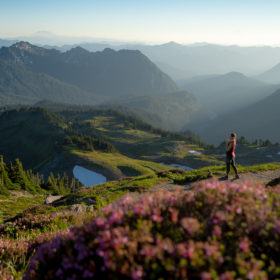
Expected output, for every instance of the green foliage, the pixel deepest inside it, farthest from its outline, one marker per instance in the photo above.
(58, 185)
(15, 177)
(256, 143)
(89, 143)
(111, 191)
(21, 178)
(17, 203)
(5, 182)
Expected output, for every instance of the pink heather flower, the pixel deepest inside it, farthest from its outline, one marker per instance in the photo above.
(227, 276)
(116, 217)
(174, 215)
(148, 251)
(191, 225)
(137, 274)
(219, 217)
(217, 231)
(244, 245)
(100, 222)
(139, 210)
(182, 250)
(157, 218)
(239, 210)
(186, 250)
(127, 200)
(206, 276)
(105, 236)
(190, 250)
(210, 250)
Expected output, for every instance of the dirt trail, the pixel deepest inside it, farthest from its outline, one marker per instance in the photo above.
(260, 177)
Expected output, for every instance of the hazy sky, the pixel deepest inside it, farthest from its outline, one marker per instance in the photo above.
(243, 22)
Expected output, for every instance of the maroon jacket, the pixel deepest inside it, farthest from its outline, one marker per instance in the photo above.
(231, 146)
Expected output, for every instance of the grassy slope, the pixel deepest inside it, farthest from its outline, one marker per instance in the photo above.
(116, 165)
(37, 136)
(17, 203)
(144, 144)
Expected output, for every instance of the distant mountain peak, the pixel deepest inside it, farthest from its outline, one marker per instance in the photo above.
(171, 44)
(235, 74)
(109, 50)
(24, 49)
(23, 45)
(78, 50)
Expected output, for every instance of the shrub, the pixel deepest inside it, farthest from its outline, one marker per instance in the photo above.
(216, 231)
(12, 257)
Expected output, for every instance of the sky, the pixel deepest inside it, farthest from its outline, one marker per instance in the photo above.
(241, 22)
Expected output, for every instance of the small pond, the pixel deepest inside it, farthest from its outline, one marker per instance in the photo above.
(87, 177)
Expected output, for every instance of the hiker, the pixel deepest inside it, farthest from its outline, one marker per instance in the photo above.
(230, 155)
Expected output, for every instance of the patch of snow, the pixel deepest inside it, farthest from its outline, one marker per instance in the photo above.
(269, 156)
(193, 152)
(87, 177)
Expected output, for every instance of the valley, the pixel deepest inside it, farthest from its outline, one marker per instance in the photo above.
(106, 143)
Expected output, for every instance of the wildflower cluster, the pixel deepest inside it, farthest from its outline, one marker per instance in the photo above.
(15, 254)
(216, 231)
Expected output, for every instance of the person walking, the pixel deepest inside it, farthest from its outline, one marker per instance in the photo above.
(230, 155)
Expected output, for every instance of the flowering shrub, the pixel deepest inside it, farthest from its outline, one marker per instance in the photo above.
(216, 231)
(33, 224)
(14, 254)
(28, 222)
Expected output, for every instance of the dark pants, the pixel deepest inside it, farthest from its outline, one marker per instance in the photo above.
(230, 161)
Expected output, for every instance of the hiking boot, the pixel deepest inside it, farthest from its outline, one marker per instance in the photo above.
(237, 176)
(225, 178)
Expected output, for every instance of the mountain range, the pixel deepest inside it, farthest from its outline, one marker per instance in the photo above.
(272, 75)
(186, 61)
(177, 60)
(106, 73)
(257, 121)
(220, 94)
(124, 78)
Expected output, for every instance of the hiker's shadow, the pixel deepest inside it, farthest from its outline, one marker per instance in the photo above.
(224, 178)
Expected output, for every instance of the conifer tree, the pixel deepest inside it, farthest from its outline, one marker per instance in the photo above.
(20, 177)
(5, 182)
